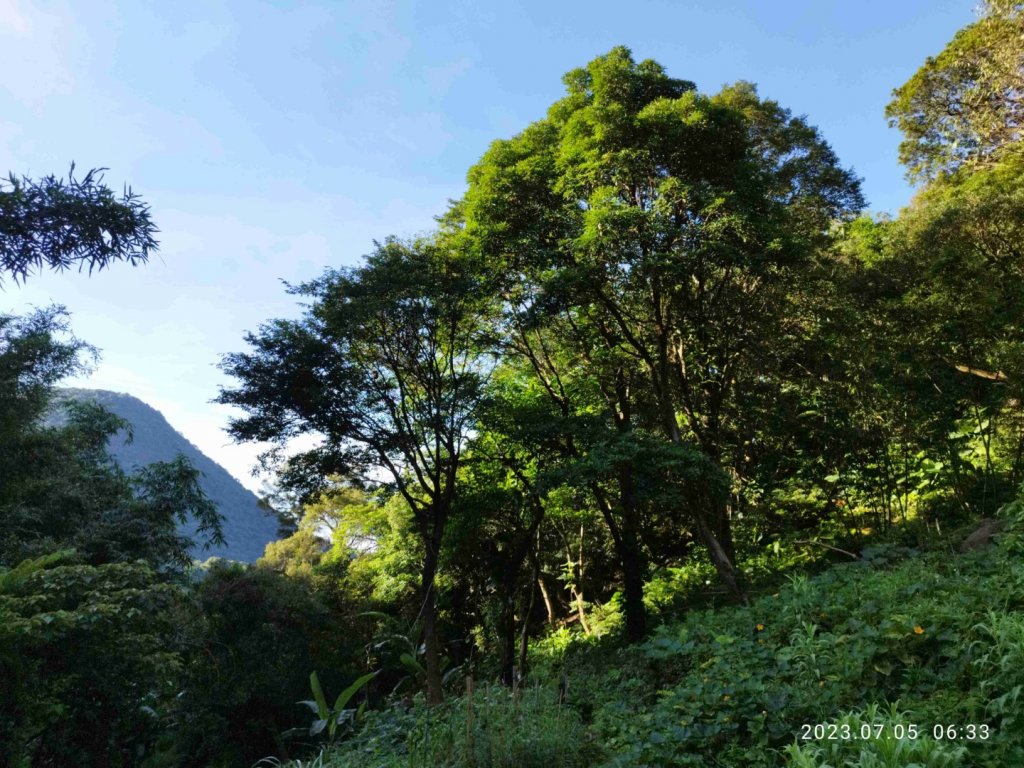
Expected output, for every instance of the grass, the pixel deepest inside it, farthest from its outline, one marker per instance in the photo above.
(527, 730)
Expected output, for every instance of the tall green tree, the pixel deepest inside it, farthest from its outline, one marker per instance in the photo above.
(665, 230)
(36, 352)
(965, 105)
(938, 290)
(930, 335)
(91, 561)
(385, 368)
(519, 440)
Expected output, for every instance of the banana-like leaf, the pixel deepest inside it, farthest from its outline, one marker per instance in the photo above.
(376, 615)
(351, 691)
(450, 674)
(412, 665)
(394, 639)
(318, 694)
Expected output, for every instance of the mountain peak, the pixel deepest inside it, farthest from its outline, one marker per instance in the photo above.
(247, 527)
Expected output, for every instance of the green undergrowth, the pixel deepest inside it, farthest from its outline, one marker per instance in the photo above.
(528, 730)
(899, 638)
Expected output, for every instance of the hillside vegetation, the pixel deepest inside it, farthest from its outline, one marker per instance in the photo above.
(657, 451)
(906, 656)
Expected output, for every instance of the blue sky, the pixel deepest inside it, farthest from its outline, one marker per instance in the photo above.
(274, 139)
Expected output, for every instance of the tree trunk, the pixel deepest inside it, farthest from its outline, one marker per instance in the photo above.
(722, 562)
(517, 554)
(508, 637)
(576, 589)
(632, 561)
(626, 544)
(716, 535)
(577, 597)
(633, 594)
(724, 535)
(435, 694)
(552, 619)
(524, 639)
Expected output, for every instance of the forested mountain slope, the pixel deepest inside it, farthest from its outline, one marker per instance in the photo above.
(247, 528)
(659, 451)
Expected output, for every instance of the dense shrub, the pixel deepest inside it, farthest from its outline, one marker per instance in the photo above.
(83, 662)
(252, 640)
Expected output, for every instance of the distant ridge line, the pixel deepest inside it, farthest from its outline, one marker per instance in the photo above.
(247, 527)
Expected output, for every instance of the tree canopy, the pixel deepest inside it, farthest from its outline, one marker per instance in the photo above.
(965, 105)
(59, 223)
(385, 370)
(662, 232)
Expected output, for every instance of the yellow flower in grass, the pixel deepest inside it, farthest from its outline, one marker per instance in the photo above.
(918, 630)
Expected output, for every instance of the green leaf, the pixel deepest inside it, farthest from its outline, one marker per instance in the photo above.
(10, 579)
(318, 694)
(351, 691)
(412, 665)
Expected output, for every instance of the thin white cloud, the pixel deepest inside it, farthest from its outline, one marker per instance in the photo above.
(34, 48)
(12, 20)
